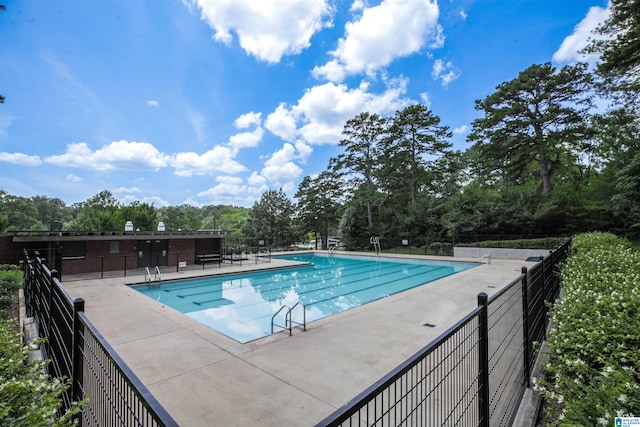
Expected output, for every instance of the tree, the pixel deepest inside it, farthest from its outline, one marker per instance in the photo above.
(619, 46)
(21, 212)
(360, 162)
(98, 213)
(538, 117)
(143, 216)
(182, 217)
(415, 134)
(51, 211)
(271, 218)
(319, 204)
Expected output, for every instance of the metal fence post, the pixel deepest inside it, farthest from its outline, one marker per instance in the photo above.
(102, 267)
(483, 360)
(76, 355)
(525, 326)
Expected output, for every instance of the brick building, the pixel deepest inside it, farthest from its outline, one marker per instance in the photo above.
(86, 252)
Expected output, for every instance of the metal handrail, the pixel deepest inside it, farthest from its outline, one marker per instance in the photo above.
(288, 318)
(487, 256)
(147, 275)
(304, 317)
(158, 275)
(285, 318)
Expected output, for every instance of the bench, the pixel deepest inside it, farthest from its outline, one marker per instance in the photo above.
(202, 258)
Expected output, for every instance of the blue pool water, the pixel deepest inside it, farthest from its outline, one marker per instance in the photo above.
(241, 306)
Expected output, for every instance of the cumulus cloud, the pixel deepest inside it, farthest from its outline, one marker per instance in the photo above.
(446, 72)
(153, 103)
(382, 33)
(20, 159)
(117, 155)
(571, 47)
(320, 114)
(233, 190)
(280, 167)
(460, 130)
(219, 159)
(282, 123)
(248, 120)
(247, 139)
(73, 178)
(267, 29)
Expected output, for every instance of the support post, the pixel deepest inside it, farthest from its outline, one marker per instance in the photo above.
(102, 267)
(76, 355)
(483, 359)
(525, 327)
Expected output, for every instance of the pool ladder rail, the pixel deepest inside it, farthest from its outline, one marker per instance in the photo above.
(288, 319)
(156, 278)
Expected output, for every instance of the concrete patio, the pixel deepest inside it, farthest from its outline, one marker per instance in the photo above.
(204, 378)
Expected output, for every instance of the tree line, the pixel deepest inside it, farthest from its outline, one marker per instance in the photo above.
(542, 160)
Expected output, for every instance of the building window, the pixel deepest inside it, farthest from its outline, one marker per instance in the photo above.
(74, 250)
(114, 247)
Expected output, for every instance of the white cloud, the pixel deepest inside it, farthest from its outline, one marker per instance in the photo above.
(282, 123)
(569, 50)
(127, 190)
(280, 167)
(460, 130)
(73, 178)
(20, 159)
(424, 97)
(233, 190)
(248, 120)
(382, 33)
(444, 71)
(219, 159)
(246, 139)
(117, 155)
(6, 120)
(153, 103)
(323, 110)
(267, 29)
(463, 14)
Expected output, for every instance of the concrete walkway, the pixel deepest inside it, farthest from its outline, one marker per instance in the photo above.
(204, 378)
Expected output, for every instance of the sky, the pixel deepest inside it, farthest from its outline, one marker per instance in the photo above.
(205, 102)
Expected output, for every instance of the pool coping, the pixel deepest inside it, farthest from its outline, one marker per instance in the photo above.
(203, 377)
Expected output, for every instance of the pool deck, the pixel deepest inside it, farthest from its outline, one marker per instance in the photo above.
(204, 378)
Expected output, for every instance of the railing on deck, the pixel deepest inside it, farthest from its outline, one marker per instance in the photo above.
(79, 352)
(476, 372)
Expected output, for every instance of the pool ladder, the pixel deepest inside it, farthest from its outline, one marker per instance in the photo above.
(288, 319)
(157, 276)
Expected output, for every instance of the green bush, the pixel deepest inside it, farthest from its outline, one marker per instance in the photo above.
(540, 243)
(28, 397)
(593, 374)
(10, 281)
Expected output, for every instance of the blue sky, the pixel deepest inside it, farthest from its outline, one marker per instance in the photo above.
(216, 101)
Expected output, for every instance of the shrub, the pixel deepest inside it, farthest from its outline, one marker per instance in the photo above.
(10, 281)
(28, 397)
(593, 373)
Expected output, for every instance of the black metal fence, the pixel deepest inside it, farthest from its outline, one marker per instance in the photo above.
(476, 372)
(77, 351)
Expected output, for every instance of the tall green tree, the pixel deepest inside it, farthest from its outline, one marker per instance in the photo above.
(537, 118)
(181, 217)
(617, 42)
(20, 211)
(143, 216)
(97, 213)
(361, 160)
(51, 211)
(412, 143)
(319, 205)
(271, 219)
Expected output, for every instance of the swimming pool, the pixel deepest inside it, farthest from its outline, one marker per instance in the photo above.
(242, 306)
